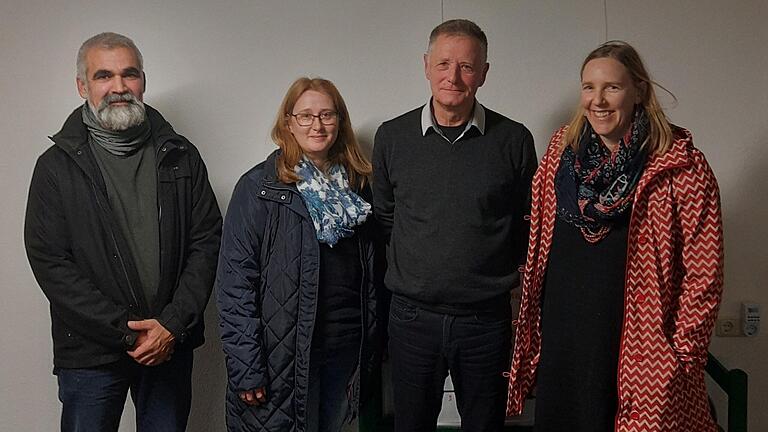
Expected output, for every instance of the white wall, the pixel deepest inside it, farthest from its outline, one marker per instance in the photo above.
(218, 70)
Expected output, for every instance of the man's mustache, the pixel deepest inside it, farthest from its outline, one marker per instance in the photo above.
(112, 98)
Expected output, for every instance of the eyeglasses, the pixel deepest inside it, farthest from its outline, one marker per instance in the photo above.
(327, 118)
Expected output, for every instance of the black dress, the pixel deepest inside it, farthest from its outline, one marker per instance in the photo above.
(582, 313)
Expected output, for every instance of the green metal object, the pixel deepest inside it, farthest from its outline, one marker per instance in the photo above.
(734, 384)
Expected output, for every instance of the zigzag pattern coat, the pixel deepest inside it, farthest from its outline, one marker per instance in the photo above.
(674, 280)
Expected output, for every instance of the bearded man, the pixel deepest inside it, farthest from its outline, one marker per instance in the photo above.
(122, 232)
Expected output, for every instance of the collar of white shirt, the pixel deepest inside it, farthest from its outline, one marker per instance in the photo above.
(428, 120)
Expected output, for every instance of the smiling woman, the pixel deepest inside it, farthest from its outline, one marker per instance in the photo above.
(314, 137)
(613, 331)
(296, 295)
(608, 98)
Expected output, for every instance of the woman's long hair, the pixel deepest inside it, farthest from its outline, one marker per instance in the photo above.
(660, 136)
(344, 151)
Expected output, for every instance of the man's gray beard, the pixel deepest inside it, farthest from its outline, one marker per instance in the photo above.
(121, 117)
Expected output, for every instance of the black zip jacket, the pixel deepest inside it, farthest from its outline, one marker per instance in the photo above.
(82, 262)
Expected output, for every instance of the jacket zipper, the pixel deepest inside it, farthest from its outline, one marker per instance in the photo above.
(314, 319)
(363, 296)
(363, 319)
(158, 186)
(117, 250)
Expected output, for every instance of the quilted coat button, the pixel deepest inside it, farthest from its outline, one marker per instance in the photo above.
(634, 415)
(638, 357)
(641, 299)
(643, 239)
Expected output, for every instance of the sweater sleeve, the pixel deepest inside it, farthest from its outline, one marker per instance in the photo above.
(383, 191)
(527, 167)
(238, 280)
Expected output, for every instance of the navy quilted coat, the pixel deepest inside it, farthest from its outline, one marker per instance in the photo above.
(267, 296)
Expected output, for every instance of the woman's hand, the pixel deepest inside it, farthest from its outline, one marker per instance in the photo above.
(254, 397)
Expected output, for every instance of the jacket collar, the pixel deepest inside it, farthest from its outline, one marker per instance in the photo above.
(677, 156)
(272, 189)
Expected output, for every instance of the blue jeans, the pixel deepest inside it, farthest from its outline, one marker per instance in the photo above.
(425, 345)
(93, 398)
(329, 377)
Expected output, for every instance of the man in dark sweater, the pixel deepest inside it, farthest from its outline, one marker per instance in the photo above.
(122, 232)
(452, 190)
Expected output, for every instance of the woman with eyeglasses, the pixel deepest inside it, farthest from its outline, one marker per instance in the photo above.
(295, 279)
(625, 265)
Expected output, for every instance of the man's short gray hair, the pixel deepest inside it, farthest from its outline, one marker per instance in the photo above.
(107, 40)
(460, 27)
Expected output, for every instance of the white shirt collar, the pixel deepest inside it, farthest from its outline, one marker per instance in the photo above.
(428, 120)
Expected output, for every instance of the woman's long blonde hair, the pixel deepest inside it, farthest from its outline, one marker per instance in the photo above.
(345, 151)
(660, 136)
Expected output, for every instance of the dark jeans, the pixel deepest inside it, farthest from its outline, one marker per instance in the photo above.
(425, 345)
(93, 398)
(329, 377)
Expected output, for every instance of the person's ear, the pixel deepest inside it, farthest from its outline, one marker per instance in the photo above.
(82, 88)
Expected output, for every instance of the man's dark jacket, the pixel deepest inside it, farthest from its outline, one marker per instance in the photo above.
(267, 296)
(81, 259)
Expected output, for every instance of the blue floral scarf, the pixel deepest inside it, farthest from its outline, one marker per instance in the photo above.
(334, 208)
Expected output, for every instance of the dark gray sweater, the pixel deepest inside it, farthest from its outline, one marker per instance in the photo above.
(131, 183)
(453, 213)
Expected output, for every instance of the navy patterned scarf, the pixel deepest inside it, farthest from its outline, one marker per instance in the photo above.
(334, 208)
(595, 186)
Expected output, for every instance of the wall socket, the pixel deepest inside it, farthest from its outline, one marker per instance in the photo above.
(747, 325)
(728, 327)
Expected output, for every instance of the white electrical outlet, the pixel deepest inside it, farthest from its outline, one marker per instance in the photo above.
(728, 327)
(750, 319)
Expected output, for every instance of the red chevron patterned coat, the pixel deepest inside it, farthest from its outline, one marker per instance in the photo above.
(673, 284)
